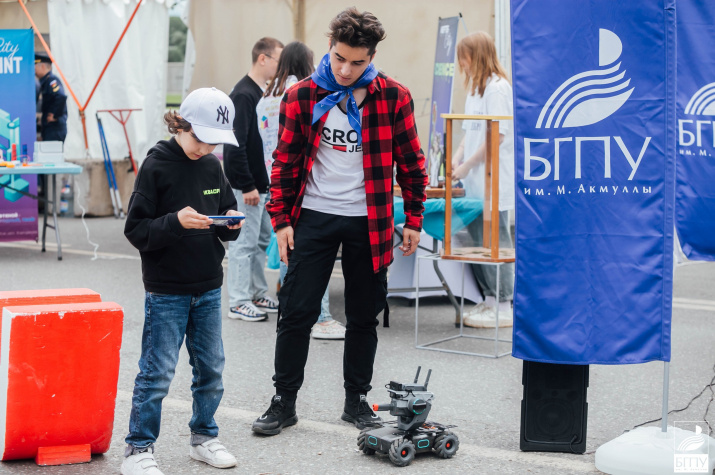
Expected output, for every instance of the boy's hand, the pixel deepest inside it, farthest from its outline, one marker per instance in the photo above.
(190, 219)
(233, 212)
(284, 237)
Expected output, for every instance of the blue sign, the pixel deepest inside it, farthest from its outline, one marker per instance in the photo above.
(441, 93)
(695, 158)
(18, 213)
(594, 106)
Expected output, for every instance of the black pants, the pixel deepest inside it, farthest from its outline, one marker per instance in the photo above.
(317, 239)
(54, 131)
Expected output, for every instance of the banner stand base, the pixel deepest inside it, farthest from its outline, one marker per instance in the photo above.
(649, 451)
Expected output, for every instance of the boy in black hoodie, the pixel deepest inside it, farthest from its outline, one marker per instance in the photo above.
(179, 185)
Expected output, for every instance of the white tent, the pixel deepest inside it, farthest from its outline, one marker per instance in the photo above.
(83, 34)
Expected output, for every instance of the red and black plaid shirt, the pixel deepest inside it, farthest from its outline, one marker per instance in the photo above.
(389, 137)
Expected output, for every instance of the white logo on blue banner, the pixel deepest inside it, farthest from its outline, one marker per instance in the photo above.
(595, 127)
(702, 102)
(591, 96)
(695, 171)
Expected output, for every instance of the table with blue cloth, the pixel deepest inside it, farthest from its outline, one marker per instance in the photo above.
(464, 211)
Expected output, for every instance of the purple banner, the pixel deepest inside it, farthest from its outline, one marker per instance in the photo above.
(18, 213)
(441, 93)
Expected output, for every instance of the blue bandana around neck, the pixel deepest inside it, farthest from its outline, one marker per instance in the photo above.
(323, 77)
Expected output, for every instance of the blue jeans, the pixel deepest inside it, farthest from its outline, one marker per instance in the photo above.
(325, 315)
(167, 319)
(247, 254)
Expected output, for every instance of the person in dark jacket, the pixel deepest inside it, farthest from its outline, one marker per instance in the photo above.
(248, 299)
(179, 185)
(54, 100)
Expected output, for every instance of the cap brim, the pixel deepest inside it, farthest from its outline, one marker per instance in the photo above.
(214, 136)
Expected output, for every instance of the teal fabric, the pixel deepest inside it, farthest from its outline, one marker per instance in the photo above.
(464, 211)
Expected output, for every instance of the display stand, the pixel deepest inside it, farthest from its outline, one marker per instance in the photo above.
(489, 254)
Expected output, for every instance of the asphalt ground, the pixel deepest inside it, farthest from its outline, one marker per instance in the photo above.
(481, 396)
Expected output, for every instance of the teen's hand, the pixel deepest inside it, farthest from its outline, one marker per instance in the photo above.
(410, 240)
(233, 212)
(285, 241)
(252, 198)
(189, 218)
(460, 172)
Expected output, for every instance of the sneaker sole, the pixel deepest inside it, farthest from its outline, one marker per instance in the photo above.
(238, 316)
(288, 422)
(348, 418)
(223, 465)
(266, 309)
(489, 325)
(320, 336)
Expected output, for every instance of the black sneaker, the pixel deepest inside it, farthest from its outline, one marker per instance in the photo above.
(359, 412)
(279, 415)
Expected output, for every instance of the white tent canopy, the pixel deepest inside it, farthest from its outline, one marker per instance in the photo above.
(83, 35)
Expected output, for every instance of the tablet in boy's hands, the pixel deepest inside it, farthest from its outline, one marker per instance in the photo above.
(226, 220)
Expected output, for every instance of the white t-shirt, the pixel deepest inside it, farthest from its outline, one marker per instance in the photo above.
(267, 113)
(336, 184)
(497, 100)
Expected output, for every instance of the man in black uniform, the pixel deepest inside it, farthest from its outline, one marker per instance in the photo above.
(54, 100)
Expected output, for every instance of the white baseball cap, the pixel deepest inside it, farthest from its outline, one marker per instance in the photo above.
(210, 113)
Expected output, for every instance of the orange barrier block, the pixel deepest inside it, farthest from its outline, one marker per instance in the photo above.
(63, 455)
(58, 376)
(47, 297)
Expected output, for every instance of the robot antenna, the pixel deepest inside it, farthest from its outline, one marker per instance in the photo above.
(429, 373)
(418, 374)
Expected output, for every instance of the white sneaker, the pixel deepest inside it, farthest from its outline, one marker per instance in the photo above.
(248, 313)
(140, 464)
(478, 309)
(266, 304)
(213, 453)
(330, 330)
(484, 317)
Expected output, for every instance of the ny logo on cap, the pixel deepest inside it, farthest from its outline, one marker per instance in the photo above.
(222, 114)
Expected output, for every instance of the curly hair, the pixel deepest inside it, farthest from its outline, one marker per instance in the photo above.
(356, 30)
(175, 122)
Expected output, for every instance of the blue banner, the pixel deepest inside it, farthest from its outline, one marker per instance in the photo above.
(594, 106)
(695, 164)
(18, 131)
(441, 93)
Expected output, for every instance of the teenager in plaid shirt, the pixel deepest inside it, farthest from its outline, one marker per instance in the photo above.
(342, 131)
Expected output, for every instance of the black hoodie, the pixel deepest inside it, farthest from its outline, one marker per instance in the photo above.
(177, 260)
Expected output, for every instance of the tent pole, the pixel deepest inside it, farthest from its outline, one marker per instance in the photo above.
(112, 55)
(49, 53)
(666, 384)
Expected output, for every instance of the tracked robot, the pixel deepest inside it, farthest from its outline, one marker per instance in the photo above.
(411, 433)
